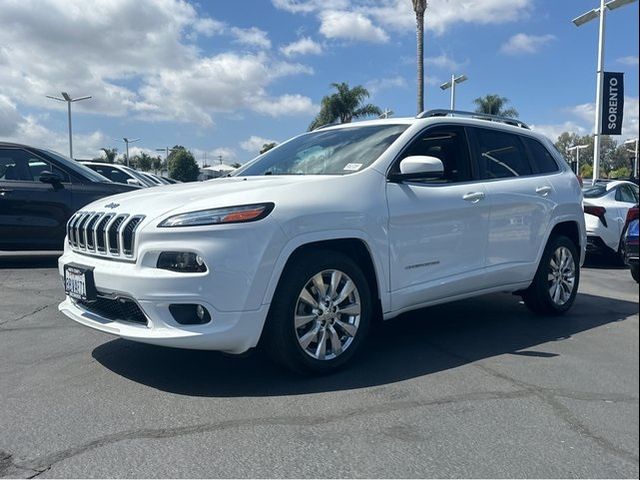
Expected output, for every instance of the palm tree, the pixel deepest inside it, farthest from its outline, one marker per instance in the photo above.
(344, 105)
(495, 105)
(110, 154)
(419, 6)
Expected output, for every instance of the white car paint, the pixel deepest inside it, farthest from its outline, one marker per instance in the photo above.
(427, 243)
(616, 207)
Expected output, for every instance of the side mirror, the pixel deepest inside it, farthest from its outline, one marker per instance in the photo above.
(133, 181)
(50, 177)
(418, 167)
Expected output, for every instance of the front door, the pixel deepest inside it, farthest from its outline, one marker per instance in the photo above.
(437, 229)
(33, 214)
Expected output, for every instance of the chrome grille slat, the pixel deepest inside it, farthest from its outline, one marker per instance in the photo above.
(89, 231)
(81, 231)
(101, 232)
(114, 234)
(104, 234)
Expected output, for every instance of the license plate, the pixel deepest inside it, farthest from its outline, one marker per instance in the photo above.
(78, 282)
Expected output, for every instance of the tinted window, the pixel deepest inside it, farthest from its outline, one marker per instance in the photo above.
(326, 152)
(449, 144)
(502, 154)
(540, 156)
(73, 166)
(625, 194)
(111, 173)
(17, 164)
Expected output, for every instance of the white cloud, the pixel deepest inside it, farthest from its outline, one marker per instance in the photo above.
(553, 131)
(285, 105)
(253, 37)
(398, 15)
(523, 43)
(28, 130)
(346, 25)
(444, 62)
(582, 121)
(213, 156)
(630, 61)
(134, 58)
(224, 82)
(303, 46)
(378, 84)
(254, 144)
(308, 6)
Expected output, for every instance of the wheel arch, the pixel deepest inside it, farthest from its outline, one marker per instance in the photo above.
(353, 245)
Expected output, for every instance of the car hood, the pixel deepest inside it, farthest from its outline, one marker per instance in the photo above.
(221, 192)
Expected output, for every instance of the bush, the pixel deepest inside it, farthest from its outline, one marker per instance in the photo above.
(182, 166)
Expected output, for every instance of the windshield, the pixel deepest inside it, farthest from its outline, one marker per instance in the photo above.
(139, 176)
(595, 191)
(326, 152)
(77, 167)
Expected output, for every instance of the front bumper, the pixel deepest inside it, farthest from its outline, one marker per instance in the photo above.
(232, 330)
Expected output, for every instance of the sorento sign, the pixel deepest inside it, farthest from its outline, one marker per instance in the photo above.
(612, 103)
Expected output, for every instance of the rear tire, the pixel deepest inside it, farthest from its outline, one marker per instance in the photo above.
(555, 285)
(320, 313)
(634, 271)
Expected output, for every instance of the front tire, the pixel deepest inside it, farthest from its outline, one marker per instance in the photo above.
(320, 313)
(555, 285)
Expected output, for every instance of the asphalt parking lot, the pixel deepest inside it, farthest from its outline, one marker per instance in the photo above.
(476, 388)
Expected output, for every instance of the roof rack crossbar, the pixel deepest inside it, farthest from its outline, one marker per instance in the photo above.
(482, 116)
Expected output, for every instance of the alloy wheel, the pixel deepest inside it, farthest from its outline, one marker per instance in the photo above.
(562, 276)
(327, 314)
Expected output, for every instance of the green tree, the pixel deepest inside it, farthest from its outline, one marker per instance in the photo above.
(344, 105)
(419, 7)
(110, 154)
(143, 161)
(493, 104)
(611, 155)
(267, 146)
(182, 165)
(156, 164)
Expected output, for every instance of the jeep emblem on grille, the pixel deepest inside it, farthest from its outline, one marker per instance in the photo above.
(112, 205)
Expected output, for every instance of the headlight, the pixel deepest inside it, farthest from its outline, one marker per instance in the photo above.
(215, 216)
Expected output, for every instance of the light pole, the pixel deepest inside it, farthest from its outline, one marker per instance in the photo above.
(67, 98)
(452, 85)
(127, 141)
(635, 158)
(577, 148)
(579, 21)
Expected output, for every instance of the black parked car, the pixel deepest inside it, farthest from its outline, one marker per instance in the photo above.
(39, 191)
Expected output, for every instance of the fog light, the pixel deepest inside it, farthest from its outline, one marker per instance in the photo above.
(186, 262)
(189, 313)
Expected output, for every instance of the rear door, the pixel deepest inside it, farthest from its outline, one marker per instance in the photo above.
(33, 214)
(522, 202)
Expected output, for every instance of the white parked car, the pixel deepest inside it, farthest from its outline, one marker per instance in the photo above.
(606, 204)
(120, 173)
(303, 246)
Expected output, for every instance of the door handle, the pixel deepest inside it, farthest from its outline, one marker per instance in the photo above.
(473, 197)
(5, 191)
(544, 190)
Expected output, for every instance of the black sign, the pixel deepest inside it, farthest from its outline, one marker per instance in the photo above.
(612, 103)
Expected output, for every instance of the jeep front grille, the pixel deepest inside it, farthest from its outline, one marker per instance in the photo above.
(103, 233)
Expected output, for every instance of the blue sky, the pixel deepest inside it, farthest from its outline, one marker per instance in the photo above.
(222, 77)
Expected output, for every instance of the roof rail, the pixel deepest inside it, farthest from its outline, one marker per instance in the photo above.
(482, 116)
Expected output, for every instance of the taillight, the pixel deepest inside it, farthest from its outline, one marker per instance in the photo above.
(632, 214)
(598, 212)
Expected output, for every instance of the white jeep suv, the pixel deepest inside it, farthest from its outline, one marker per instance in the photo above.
(303, 246)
